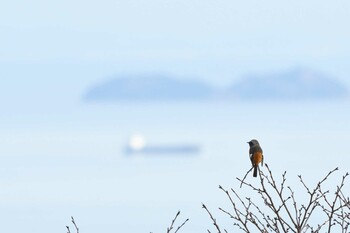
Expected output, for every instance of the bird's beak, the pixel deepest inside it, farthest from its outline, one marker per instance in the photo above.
(248, 142)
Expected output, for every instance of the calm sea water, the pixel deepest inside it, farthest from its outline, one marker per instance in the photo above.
(62, 162)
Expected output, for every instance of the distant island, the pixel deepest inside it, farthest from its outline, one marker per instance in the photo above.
(296, 84)
(148, 88)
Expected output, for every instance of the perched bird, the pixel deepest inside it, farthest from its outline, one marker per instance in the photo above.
(256, 155)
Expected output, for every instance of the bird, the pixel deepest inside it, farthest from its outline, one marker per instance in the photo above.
(256, 155)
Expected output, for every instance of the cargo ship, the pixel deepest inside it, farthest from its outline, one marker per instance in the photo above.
(137, 145)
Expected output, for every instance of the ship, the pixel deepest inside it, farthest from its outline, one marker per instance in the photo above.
(137, 145)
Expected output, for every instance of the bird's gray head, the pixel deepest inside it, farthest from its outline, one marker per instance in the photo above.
(253, 142)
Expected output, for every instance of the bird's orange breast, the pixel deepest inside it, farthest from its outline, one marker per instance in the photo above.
(257, 158)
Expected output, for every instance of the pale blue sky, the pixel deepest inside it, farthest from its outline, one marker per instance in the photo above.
(47, 46)
(66, 157)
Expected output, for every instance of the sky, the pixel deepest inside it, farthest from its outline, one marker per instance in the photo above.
(48, 46)
(51, 52)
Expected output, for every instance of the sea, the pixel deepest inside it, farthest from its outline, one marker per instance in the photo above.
(71, 161)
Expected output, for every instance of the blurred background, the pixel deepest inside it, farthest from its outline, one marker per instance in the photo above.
(120, 113)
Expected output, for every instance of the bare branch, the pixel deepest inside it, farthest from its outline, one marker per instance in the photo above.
(278, 209)
(173, 222)
(212, 218)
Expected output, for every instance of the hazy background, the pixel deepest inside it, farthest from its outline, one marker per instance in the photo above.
(61, 156)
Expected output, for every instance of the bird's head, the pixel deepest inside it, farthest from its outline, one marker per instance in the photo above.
(253, 142)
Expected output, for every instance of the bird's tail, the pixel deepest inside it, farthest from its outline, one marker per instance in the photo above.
(255, 173)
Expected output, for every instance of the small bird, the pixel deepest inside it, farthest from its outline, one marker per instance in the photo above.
(256, 155)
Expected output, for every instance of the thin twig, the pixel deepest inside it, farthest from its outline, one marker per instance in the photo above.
(212, 218)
